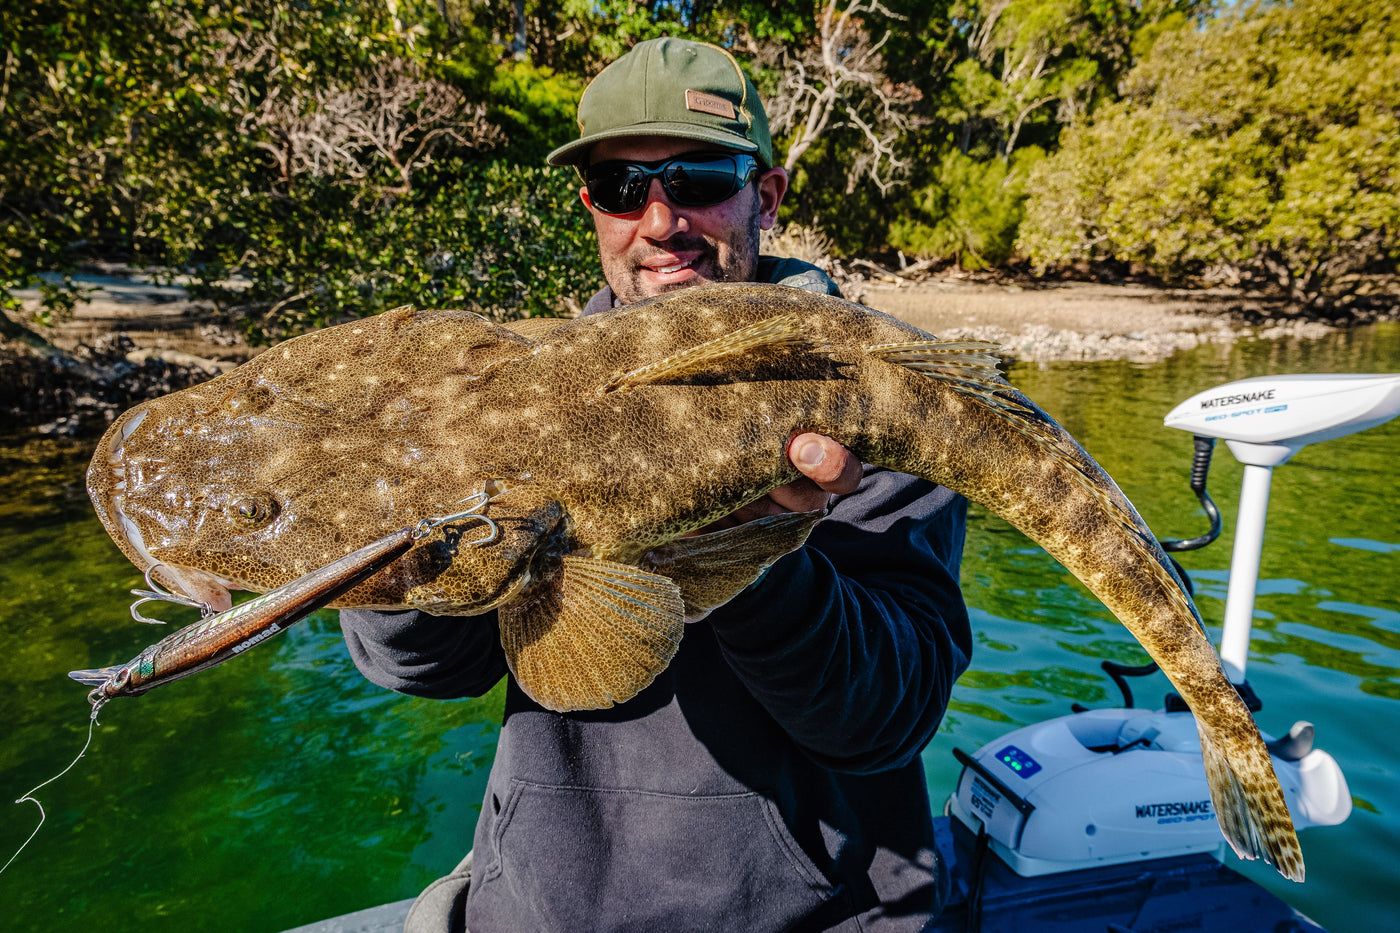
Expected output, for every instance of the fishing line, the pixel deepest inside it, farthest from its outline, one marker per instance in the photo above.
(92, 723)
(116, 681)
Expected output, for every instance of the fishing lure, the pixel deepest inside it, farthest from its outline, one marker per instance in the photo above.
(217, 638)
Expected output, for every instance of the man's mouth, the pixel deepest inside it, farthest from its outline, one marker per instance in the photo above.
(665, 266)
(668, 270)
(673, 270)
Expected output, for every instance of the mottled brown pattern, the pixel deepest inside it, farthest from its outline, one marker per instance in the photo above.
(596, 456)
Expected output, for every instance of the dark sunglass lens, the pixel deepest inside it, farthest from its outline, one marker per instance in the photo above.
(617, 189)
(622, 187)
(697, 184)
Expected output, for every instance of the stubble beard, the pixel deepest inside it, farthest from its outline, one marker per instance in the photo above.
(734, 261)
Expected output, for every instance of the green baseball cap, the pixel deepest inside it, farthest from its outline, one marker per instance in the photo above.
(672, 87)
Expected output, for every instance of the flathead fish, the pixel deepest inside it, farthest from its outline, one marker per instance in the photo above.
(604, 443)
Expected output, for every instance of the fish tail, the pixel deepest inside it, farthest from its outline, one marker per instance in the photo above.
(1027, 469)
(1248, 802)
(94, 677)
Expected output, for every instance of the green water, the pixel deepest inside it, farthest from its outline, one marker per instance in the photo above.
(284, 788)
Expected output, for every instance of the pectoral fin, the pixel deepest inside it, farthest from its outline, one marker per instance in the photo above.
(593, 635)
(711, 569)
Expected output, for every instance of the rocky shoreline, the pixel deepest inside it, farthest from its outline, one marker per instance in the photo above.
(1086, 321)
(134, 339)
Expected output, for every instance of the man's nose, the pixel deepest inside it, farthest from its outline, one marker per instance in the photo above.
(661, 219)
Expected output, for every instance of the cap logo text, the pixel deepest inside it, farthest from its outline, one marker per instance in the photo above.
(701, 102)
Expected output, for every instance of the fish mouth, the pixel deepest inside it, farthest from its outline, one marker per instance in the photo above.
(107, 489)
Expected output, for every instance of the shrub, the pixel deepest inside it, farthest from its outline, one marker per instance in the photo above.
(1266, 145)
(507, 240)
(970, 212)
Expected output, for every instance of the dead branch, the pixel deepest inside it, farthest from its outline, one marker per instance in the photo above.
(390, 118)
(838, 80)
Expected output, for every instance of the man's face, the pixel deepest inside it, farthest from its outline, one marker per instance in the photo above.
(662, 245)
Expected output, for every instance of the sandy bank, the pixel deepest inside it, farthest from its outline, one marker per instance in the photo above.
(1079, 321)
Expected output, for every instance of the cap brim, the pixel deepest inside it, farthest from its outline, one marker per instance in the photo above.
(576, 152)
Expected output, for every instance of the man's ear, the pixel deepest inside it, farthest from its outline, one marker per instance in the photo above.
(772, 186)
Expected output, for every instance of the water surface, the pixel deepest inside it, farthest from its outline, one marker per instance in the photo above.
(283, 788)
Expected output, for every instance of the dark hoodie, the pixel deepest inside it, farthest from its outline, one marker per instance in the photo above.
(769, 779)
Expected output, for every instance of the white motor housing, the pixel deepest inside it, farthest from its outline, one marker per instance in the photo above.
(1268, 419)
(1116, 785)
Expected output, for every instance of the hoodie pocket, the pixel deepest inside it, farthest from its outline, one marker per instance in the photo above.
(571, 858)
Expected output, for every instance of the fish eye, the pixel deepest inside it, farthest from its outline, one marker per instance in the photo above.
(253, 511)
(249, 400)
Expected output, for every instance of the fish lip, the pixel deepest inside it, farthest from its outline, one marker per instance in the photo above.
(201, 586)
(106, 482)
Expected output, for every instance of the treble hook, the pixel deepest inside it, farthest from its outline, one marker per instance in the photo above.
(478, 502)
(158, 593)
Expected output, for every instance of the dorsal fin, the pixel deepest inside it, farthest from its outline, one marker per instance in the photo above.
(969, 362)
(533, 328)
(784, 330)
(969, 366)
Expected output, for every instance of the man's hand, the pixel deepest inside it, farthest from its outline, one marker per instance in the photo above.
(828, 469)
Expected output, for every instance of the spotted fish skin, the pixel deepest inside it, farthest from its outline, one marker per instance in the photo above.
(605, 443)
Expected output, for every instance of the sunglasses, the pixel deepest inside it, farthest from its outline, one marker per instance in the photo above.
(618, 187)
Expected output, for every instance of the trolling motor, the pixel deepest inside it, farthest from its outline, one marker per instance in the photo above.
(1265, 421)
(1116, 786)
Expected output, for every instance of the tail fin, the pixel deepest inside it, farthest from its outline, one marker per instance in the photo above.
(1249, 803)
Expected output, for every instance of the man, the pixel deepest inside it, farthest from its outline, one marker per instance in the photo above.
(769, 779)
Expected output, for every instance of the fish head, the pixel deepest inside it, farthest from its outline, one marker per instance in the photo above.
(227, 485)
(179, 497)
(252, 480)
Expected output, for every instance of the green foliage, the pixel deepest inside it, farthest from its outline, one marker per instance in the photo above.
(1029, 66)
(129, 127)
(331, 156)
(1265, 145)
(536, 108)
(970, 212)
(75, 89)
(506, 240)
(855, 218)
